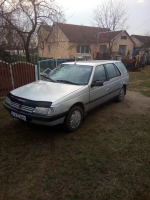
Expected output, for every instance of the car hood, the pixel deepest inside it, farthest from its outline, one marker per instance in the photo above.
(45, 91)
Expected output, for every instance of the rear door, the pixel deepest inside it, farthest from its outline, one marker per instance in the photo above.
(114, 79)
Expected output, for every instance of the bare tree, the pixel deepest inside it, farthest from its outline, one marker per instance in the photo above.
(111, 14)
(24, 17)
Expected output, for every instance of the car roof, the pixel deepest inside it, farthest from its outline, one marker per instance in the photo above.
(92, 62)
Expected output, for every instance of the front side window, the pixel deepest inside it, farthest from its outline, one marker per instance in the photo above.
(112, 70)
(71, 74)
(99, 74)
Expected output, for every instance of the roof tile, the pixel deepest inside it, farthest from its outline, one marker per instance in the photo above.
(108, 36)
(79, 33)
(141, 38)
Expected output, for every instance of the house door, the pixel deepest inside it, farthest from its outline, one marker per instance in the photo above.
(122, 49)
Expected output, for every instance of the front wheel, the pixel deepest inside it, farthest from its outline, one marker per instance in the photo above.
(121, 94)
(74, 118)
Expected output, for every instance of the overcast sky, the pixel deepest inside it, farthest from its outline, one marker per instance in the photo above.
(80, 11)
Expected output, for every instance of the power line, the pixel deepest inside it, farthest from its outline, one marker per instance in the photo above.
(141, 25)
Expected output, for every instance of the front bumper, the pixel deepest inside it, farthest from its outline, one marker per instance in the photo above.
(36, 118)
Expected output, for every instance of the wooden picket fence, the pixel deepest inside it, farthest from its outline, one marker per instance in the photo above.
(15, 75)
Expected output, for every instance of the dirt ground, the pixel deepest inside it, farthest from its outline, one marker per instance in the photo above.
(133, 103)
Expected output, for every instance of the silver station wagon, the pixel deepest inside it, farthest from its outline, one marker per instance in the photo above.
(69, 92)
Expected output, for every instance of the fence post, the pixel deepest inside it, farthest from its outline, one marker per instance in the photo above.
(56, 62)
(38, 70)
(12, 78)
(36, 73)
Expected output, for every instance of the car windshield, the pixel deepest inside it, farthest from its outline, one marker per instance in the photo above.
(71, 74)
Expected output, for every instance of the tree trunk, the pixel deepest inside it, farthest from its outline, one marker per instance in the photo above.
(27, 54)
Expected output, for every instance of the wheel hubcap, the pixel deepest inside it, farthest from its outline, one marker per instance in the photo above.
(75, 119)
(121, 94)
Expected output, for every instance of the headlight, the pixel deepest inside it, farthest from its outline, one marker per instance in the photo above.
(7, 100)
(44, 111)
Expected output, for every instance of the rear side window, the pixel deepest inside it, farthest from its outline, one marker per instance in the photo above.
(112, 70)
(121, 67)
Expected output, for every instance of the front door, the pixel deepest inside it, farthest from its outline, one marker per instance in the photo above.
(99, 94)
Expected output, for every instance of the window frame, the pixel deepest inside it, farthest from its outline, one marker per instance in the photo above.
(83, 49)
(123, 37)
(104, 48)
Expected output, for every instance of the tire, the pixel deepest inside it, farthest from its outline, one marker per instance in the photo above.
(74, 119)
(121, 94)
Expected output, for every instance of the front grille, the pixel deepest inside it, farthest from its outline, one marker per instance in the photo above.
(22, 107)
(15, 105)
(27, 108)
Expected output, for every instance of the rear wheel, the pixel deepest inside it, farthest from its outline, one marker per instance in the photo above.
(74, 118)
(121, 94)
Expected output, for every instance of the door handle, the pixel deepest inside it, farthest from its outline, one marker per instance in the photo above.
(107, 89)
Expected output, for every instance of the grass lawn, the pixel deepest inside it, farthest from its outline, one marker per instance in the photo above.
(140, 81)
(108, 158)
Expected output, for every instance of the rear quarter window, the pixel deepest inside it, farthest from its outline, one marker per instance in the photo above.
(121, 67)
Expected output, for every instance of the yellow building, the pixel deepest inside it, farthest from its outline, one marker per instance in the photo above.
(68, 40)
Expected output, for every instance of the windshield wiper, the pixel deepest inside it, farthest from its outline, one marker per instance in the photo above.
(65, 81)
(46, 77)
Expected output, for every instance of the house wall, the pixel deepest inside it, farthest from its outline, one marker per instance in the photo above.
(137, 43)
(118, 41)
(42, 35)
(60, 47)
(57, 43)
(72, 50)
(57, 50)
(128, 42)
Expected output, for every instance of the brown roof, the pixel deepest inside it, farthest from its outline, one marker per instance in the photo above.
(79, 33)
(108, 36)
(141, 38)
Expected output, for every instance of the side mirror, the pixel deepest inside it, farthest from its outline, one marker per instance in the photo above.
(97, 83)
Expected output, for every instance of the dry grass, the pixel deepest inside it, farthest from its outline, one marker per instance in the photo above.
(140, 81)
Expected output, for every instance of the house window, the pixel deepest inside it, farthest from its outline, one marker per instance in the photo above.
(102, 48)
(48, 48)
(83, 49)
(87, 49)
(122, 49)
(123, 37)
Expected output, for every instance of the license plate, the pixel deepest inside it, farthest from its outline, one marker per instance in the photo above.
(22, 117)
